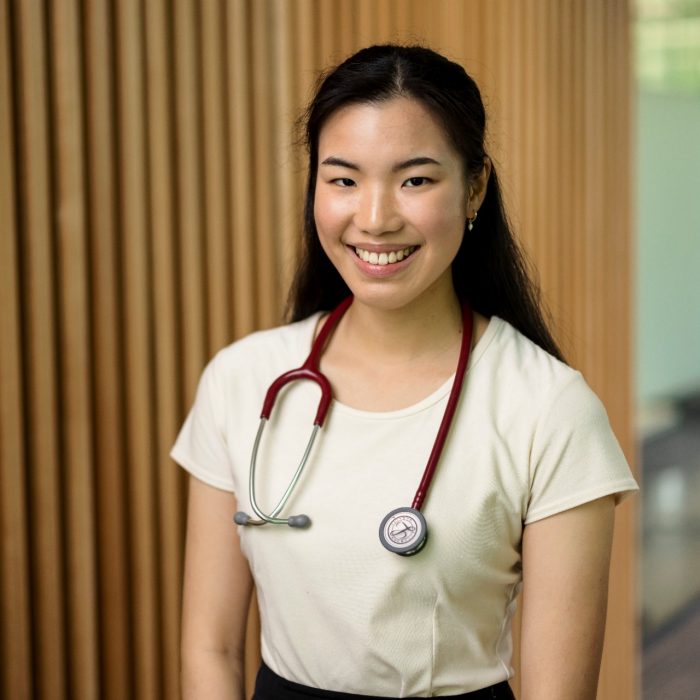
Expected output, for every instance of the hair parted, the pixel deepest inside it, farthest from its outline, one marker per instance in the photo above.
(490, 270)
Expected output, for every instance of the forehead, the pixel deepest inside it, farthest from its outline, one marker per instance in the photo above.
(397, 127)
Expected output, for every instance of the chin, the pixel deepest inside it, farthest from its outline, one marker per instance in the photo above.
(384, 299)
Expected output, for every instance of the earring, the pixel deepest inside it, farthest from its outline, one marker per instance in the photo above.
(471, 221)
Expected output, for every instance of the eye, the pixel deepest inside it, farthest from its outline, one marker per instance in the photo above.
(343, 182)
(417, 181)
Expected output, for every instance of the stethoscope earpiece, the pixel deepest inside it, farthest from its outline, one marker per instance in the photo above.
(241, 518)
(300, 521)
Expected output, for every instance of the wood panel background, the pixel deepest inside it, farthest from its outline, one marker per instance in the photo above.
(150, 201)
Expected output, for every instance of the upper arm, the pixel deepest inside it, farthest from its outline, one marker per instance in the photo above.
(566, 560)
(217, 583)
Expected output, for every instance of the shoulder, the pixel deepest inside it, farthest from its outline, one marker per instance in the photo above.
(516, 367)
(556, 424)
(243, 370)
(266, 350)
(528, 393)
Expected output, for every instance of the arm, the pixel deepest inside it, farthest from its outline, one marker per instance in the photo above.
(566, 561)
(216, 596)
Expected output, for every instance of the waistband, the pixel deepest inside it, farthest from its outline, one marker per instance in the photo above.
(270, 686)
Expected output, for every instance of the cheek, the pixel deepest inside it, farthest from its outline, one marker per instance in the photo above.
(444, 217)
(329, 215)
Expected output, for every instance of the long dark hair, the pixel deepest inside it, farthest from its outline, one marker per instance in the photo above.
(490, 271)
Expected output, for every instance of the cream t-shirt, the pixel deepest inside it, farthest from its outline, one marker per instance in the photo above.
(340, 612)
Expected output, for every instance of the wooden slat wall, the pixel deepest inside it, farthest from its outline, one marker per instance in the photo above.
(150, 200)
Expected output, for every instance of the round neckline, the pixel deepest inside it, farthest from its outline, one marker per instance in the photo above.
(434, 397)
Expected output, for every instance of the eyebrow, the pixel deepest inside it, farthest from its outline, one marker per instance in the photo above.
(410, 163)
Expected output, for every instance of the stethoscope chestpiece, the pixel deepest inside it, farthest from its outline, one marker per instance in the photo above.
(403, 531)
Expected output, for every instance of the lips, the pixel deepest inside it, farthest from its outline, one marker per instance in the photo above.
(384, 258)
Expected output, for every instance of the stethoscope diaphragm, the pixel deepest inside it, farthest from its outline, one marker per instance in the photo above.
(404, 531)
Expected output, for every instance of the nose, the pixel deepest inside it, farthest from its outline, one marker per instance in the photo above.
(377, 212)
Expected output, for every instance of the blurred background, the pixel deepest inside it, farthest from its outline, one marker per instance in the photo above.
(150, 200)
(667, 330)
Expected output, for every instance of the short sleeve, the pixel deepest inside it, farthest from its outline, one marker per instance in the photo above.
(201, 445)
(575, 456)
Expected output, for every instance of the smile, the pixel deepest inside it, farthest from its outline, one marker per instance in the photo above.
(384, 258)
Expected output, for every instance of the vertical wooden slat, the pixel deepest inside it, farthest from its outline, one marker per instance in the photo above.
(593, 172)
(163, 253)
(427, 21)
(15, 621)
(404, 22)
(306, 47)
(325, 28)
(559, 56)
(113, 566)
(346, 28)
(305, 77)
(215, 150)
(568, 139)
(38, 293)
(517, 28)
(267, 281)
(384, 25)
(366, 23)
(526, 185)
(475, 37)
(189, 192)
(136, 333)
(579, 222)
(242, 286)
(562, 305)
(551, 131)
(287, 168)
(453, 29)
(74, 355)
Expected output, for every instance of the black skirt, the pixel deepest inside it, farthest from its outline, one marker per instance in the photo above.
(270, 686)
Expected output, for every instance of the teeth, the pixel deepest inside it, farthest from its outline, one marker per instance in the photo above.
(384, 258)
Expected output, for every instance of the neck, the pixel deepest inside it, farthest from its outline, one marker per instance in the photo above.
(425, 327)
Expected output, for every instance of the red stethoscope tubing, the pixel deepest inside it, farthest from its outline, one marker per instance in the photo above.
(443, 430)
(309, 370)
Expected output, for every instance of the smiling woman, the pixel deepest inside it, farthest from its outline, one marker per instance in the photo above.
(443, 375)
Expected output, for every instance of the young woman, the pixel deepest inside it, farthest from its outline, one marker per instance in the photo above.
(382, 587)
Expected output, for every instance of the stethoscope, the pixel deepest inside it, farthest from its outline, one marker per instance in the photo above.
(403, 530)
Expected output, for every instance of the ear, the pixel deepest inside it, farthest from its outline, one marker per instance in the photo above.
(477, 188)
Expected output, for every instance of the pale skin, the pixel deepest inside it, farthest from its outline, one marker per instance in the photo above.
(216, 596)
(390, 179)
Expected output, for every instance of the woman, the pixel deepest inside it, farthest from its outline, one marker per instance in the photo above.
(404, 213)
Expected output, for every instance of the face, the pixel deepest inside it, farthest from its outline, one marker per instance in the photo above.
(391, 202)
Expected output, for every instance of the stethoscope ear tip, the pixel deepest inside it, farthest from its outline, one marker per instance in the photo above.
(241, 518)
(300, 521)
